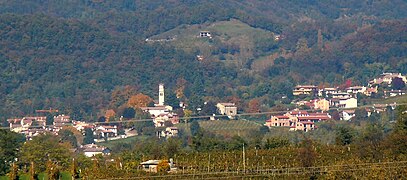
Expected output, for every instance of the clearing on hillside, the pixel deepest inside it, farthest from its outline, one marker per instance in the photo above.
(230, 40)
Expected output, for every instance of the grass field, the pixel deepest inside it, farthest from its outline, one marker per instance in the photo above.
(226, 128)
(232, 32)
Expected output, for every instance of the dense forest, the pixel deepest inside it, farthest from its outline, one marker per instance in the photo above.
(76, 56)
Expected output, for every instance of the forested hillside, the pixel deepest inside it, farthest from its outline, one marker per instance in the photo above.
(74, 55)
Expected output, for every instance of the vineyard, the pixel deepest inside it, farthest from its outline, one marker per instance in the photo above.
(280, 163)
(230, 128)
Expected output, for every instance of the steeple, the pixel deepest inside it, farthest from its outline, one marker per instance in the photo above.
(161, 96)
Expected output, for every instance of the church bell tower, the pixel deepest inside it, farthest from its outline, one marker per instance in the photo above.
(161, 94)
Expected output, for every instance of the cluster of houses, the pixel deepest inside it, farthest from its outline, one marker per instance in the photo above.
(32, 126)
(330, 97)
(347, 97)
(344, 99)
(297, 120)
(163, 116)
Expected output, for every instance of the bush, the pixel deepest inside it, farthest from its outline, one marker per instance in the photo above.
(163, 167)
(65, 176)
(4, 178)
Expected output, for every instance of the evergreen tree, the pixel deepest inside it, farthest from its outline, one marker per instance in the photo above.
(88, 136)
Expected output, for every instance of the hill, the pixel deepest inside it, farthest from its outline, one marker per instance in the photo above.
(77, 55)
(227, 39)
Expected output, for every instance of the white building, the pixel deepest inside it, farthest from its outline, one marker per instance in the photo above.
(344, 102)
(228, 109)
(91, 150)
(161, 95)
(205, 34)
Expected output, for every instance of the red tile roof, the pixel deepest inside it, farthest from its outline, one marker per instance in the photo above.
(305, 118)
(282, 117)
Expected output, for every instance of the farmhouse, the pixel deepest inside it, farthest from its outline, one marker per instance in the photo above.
(304, 90)
(228, 109)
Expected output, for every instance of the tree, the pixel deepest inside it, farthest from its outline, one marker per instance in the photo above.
(172, 147)
(139, 100)
(10, 143)
(195, 128)
(88, 136)
(110, 114)
(306, 153)
(129, 113)
(78, 135)
(171, 99)
(163, 167)
(44, 148)
(344, 136)
(68, 137)
(101, 119)
(50, 119)
(209, 108)
(146, 127)
(398, 83)
(360, 115)
(254, 106)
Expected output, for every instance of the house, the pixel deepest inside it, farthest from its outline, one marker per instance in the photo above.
(347, 115)
(281, 121)
(81, 126)
(305, 90)
(327, 91)
(378, 108)
(159, 121)
(297, 120)
(61, 121)
(344, 102)
(31, 132)
(341, 95)
(304, 126)
(321, 104)
(393, 93)
(19, 125)
(205, 34)
(277, 37)
(168, 132)
(152, 165)
(370, 91)
(91, 150)
(199, 57)
(156, 111)
(356, 89)
(386, 78)
(315, 117)
(228, 109)
(296, 113)
(106, 131)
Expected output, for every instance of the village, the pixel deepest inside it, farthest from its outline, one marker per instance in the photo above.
(344, 99)
(313, 105)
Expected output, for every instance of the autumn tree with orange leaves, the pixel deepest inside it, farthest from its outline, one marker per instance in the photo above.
(139, 100)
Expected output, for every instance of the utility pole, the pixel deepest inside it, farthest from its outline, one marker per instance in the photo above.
(244, 160)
